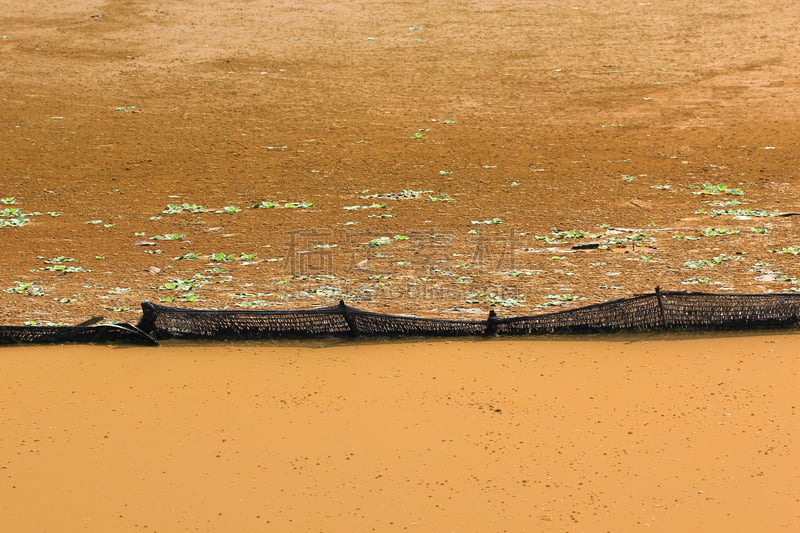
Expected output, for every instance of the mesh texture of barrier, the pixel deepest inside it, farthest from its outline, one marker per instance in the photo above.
(339, 321)
(729, 311)
(105, 333)
(650, 312)
(658, 311)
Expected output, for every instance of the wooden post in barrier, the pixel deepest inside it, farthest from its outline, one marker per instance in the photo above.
(661, 308)
(348, 316)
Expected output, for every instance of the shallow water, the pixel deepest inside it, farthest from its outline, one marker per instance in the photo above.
(679, 433)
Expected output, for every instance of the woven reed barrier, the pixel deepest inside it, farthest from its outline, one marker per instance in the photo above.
(169, 322)
(83, 334)
(659, 311)
(638, 313)
(729, 311)
(339, 321)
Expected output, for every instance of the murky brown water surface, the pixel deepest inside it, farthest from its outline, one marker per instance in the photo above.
(608, 434)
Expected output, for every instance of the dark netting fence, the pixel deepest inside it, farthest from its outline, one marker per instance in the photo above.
(104, 333)
(340, 321)
(659, 311)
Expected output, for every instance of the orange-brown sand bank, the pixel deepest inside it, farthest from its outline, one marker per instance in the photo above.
(607, 434)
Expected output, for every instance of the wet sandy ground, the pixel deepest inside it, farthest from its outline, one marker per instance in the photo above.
(608, 434)
(534, 125)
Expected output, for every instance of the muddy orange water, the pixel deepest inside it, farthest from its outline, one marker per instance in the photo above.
(613, 434)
